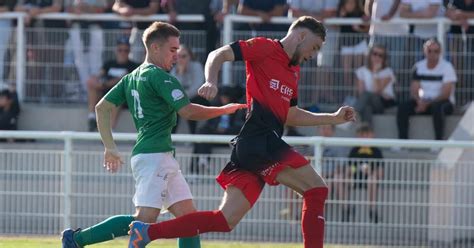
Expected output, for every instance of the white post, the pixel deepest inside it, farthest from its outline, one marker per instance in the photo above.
(67, 179)
(20, 58)
(441, 33)
(318, 155)
(227, 39)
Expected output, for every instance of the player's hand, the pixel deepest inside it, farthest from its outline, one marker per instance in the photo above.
(208, 91)
(232, 107)
(112, 160)
(345, 114)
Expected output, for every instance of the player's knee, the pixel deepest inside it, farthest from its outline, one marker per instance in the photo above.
(311, 183)
(146, 219)
(146, 216)
(232, 219)
(232, 222)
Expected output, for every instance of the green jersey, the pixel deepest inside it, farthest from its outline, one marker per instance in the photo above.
(153, 97)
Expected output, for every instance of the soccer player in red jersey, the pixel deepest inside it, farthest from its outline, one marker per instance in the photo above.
(259, 154)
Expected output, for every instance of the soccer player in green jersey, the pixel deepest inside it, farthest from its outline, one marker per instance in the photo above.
(153, 97)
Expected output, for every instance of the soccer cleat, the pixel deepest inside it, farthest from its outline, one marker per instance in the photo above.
(138, 235)
(67, 238)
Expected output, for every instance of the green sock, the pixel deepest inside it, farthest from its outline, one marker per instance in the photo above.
(191, 242)
(108, 229)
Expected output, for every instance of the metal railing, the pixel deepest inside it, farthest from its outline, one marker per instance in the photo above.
(21, 34)
(330, 84)
(47, 186)
(54, 81)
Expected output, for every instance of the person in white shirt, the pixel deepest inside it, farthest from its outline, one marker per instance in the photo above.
(421, 9)
(375, 85)
(432, 91)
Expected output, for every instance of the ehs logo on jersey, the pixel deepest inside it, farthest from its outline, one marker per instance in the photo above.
(177, 94)
(285, 90)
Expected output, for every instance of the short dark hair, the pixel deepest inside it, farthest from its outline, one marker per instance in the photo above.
(159, 32)
(6, 93)
(364, 127)
(310, 23)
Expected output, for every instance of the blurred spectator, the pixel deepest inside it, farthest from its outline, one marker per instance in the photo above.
(265, 9)
(218, 10)
(333, 170)
(208, 8)
(190, 74)
(320, 10)
(375, 82)
(224, 125)
(129, 8)
(421, 9)
(366, 168)
(392, 36)
(432, 91)
(87, 59)
(353, 39)
(34, 8)
(221, 8)
(6, 30)
(45, 48)
(111, 72)
(461, 40)
(9, 109)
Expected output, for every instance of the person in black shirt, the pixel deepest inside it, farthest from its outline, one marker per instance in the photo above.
(461, 43)
(367, 168)
(112, 71)
(9, 110)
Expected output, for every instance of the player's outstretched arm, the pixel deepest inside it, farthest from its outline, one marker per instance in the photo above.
(214, 62)
(301, 117)
(199, 112)
(112, 158)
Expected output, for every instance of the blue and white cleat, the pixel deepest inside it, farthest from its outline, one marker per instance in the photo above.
(138, 235)
(67, 238)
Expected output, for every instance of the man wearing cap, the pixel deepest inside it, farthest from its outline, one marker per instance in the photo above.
(111, 72)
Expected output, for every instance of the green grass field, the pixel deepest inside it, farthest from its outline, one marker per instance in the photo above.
(54, 242)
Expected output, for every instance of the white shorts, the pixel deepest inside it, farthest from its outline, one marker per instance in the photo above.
(362, 48)
(158, 181)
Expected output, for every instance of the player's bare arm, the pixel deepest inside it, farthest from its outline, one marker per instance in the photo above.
(199, 112)
(112, 158)
(211, 70)
(301, 117)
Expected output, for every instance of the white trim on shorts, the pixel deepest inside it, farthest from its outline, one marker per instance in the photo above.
(159, 182)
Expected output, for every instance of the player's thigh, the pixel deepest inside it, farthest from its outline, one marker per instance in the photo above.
(147, 214)
(234, 205)
(300, 179)
(177, 197)
(150, 172)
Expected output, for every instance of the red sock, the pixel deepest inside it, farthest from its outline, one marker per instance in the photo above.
(189, 225)
(312, 221)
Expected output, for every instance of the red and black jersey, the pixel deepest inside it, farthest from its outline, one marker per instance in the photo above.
(271, 83)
